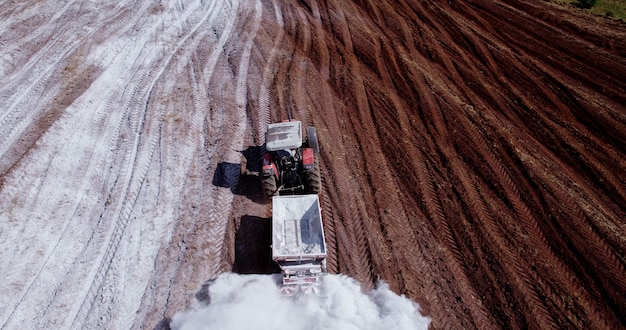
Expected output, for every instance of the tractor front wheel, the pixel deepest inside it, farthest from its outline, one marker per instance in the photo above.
(311, 137)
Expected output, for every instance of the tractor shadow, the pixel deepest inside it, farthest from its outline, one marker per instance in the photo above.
(242, 179)
(253, 246)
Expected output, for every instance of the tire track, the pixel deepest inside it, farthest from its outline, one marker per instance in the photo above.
(520, 207)
(345, 236)
(523, 213)
(21, 119)
(297, 77)
(602, 257)
(426, 184)
(391, 208)
(182, 243)
(565, 112)
(218, 219)
(528, 276)
(571, 75)
(80, 206)
(138, 162)
(362, 271)
(330, 218)
(406, 257)
(564, 115)
(330, 225)
(58, 43)
(532, 224)
(192, 267)
(442, 224)
(524, 281)
(194, 138)
(140, 157)
(269, 72)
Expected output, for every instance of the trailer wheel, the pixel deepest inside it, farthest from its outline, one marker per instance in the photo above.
(314, 179)
(269, 186)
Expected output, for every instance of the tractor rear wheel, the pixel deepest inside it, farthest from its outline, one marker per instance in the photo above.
(269, 186)
(314, 179)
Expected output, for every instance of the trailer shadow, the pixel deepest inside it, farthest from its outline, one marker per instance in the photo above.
(242, 179)
(253, 246)
(253, 255)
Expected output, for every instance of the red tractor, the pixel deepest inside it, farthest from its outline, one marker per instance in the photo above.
(290, 164)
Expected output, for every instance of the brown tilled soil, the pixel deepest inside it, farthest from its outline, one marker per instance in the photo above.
(473, 154)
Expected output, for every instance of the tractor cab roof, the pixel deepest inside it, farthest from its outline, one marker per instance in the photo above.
(285, 135)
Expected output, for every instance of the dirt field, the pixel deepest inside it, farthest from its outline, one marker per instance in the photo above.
(472, 152)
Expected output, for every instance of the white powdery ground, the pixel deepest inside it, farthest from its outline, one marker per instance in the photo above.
(86, 209)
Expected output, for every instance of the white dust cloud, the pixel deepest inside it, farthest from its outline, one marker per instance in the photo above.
(254, 302)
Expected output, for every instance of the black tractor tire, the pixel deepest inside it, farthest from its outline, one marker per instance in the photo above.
(311, 136)
(314, 179)
(269, 186)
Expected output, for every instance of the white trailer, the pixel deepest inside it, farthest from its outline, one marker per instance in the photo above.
(298, 244)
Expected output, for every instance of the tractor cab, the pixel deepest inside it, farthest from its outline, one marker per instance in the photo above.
(283, 136)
